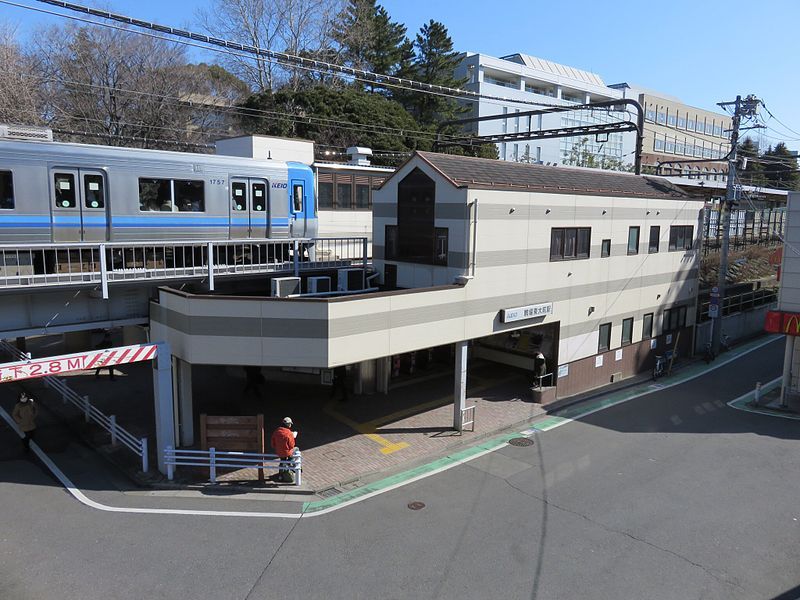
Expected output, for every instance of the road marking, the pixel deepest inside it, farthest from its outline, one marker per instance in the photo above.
(318, 508)
(369, 428)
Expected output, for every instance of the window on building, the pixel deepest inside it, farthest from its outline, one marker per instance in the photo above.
(605, 249)
(325, 191)
(633, 240)
(681, 237)
(669, 146)
(661, 118)
(680, 148)
(672, 120)
(362, 195)
(655, 234)
(569, 243)
(155, 195)
(627, 331)
(190, 195)
(344, 194)
(391, 250)
(650, 115)
(6, 190)
(689, 150)
(690, 124)
(701, 126)
(709, 128)
(682, 122)
(658, 145)
(93, 191)
(718, 130)
(416, 239)
(604, 342)
(65, 190)
(674, 318)
(238, 196)
(647, 326)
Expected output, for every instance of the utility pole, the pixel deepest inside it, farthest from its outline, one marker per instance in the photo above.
(742, 108)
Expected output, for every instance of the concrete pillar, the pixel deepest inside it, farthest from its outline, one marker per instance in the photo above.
(383, 372)
(183, 376)
(558, 92)
(788, 360)
(164, 403)
(366, 377)
(460, 390)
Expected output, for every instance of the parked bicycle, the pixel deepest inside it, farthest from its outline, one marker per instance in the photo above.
(664, 363)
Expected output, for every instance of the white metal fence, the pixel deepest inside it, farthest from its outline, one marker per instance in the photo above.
(101, 264)
(213, 459)
(119, 435)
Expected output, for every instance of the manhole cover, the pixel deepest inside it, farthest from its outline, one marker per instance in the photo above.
(416, 505)
(521, 441)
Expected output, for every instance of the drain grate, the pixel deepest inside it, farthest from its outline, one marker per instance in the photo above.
(416, 505)
(520, 441)
(329, 493)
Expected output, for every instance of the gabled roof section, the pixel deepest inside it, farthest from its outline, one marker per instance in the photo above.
(488, 174)
(554, 68)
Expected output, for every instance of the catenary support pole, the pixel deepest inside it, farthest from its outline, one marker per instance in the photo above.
(460, 391)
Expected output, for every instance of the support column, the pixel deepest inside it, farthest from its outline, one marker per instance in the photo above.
(383, 374)
(365, 378)
(185, 402)
(788, 359)
(164, 403)
(460, 391)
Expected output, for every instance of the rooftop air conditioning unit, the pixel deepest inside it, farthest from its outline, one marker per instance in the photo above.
(317, 285)
(283, 287)
(350, 280)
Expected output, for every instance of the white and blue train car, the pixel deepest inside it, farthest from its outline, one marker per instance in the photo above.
(64, 192)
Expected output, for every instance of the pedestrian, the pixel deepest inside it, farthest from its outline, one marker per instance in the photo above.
(339, 383)
(24, 415)
(283, 444)
(539, 369)
(104, 344)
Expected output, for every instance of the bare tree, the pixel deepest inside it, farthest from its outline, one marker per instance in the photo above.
(20, 82)
(299, 27)
(122, 86)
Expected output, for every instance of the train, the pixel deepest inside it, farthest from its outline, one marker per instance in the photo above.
(69, 192)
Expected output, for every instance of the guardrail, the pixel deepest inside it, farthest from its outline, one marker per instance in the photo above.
(101, 264)
(91, 413)
(739, 303)
(213, 459)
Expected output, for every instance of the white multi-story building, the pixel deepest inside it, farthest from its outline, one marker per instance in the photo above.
(523, 80)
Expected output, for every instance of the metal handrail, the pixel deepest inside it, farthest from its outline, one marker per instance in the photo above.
(91, 413)
(214, 459)
(739, 302)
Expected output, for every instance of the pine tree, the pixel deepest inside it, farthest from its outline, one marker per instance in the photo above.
(434, 63)
(780, 167)
(388, 41)
(753, 173)
(354, 31)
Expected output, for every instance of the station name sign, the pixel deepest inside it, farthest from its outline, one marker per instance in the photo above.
(509, 315)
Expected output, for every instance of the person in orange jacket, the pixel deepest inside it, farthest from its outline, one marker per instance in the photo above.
(283, 445)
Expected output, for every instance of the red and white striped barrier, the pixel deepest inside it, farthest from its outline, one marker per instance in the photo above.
(81, 361)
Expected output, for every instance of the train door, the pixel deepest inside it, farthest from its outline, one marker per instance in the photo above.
(249, 208)
(78, 205)
(298, 203)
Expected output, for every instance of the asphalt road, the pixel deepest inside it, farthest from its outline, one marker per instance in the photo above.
(670, 495)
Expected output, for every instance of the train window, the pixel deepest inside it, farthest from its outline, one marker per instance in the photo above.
(297, 197)
(259, 196)
(6, 190)
(239, 195)
(190, 196)
(93, 193)
(155, 195)
(65, 190)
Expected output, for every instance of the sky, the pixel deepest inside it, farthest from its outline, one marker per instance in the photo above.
(702, 51)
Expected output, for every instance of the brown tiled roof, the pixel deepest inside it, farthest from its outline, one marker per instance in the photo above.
(488, 174)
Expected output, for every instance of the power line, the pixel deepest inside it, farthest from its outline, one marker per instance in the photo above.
(778, 120)
(282, 58)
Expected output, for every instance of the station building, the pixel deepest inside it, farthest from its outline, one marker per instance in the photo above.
(473, 259)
